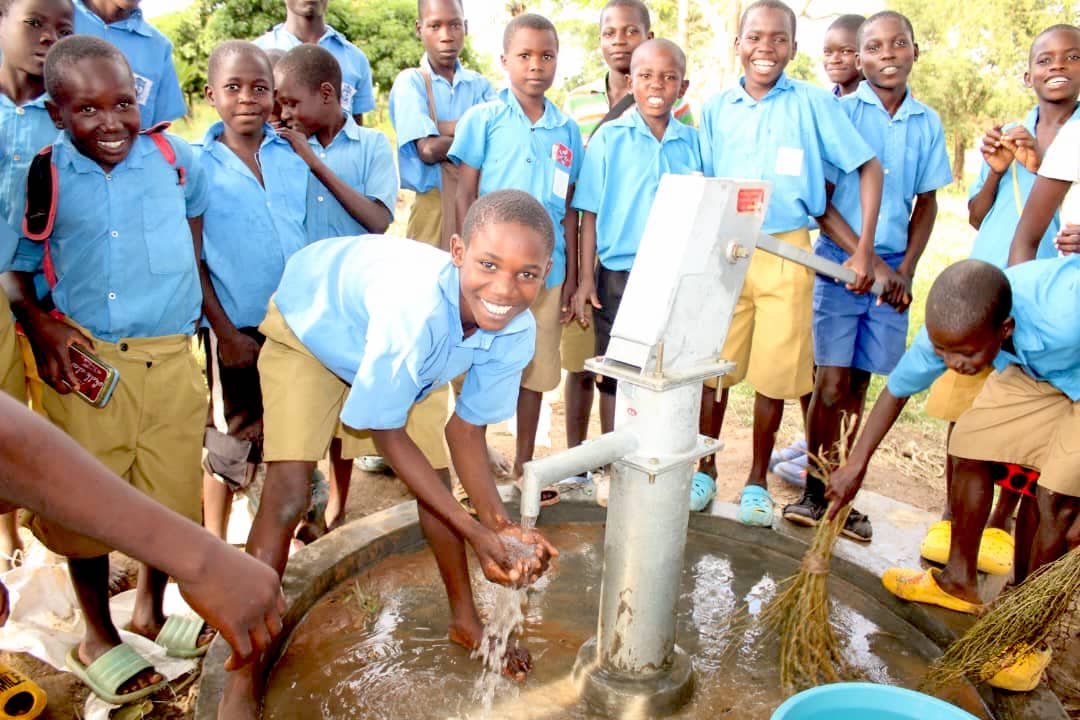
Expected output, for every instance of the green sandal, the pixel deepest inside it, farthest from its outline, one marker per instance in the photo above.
(180, 637)
(105, 675)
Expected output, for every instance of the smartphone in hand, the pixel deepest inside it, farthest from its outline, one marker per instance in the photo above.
(97, 379)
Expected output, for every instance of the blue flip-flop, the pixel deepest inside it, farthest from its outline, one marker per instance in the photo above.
(755, 507)
(702, 491)
(792, 452)
(793, 472)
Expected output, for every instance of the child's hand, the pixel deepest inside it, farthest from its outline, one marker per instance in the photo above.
(566, 302)
(844, 483)
(1067, 241)
(1023, 146)
(543, 550)
(997, 154)
(51, 340)
(897, 286)
(237, 350)
(299, 144)
(585, 294)
(864, 273)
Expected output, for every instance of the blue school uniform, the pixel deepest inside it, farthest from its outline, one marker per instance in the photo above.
(785, 138)
(853, 330)
(121, 245)
(357, 96)
(9, 241)
(24, 129)
(1046, 341)
(512, 153)
(385, 316)
(362, 158)
(412, 121)
(250, 229)
(149, 53)
(619, 177)
(998, 227)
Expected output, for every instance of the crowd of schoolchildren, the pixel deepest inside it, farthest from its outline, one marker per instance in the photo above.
(323, 337)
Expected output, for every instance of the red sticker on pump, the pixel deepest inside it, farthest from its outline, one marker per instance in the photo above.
(750, 200)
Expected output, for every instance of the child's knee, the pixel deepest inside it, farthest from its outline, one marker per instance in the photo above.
(287, 492)
(832, 387)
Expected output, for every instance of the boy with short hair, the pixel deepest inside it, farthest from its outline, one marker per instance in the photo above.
(128, 286)
(839, 54)
(360, 330)
(770, 336)
(28, 28)
(523, 141)
(425, 106)
(1011, 158)
(352, 191)
(1025, 415)
(305, 22)
(620, 175)
(857, 335)
(147, 50)
(624, 25)
(253, 223)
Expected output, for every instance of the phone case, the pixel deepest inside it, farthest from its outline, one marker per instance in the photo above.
(97, 379)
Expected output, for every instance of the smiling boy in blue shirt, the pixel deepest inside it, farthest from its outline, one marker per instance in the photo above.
(360, 330)
(254, 222)
(773, 128)
(857, 335)
(524, 141)
(147, 50)
(305, 22)
(123, 248)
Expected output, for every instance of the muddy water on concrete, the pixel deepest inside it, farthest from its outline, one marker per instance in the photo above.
(377, 648)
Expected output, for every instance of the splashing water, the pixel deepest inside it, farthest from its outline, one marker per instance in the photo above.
(506, 619)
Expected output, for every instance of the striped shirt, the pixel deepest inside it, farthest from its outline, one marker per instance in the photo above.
(588, 105)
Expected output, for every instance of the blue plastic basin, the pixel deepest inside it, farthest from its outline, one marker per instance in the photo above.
(866, 701)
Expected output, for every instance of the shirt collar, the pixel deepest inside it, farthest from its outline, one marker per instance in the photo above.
(350, 129)
(1032, 118)
(459, 71)
(38, 102)
(66, 154)
(672, 132)
(211, 145)
(133, 22)
(783, 83)
(910, 106)
(550, 119)
(450, 285)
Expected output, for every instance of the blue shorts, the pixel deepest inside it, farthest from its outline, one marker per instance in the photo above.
(853, 331)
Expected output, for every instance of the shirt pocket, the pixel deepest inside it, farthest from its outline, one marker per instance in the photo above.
(169, 246)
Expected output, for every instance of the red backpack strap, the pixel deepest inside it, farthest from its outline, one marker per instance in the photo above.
(42, 187)
(157, 134)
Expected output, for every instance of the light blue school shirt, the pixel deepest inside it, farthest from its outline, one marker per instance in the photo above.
(24, 129)
(357, 96)
(9, 240)
(785, 138)
(619, 177)
(412, 121)
(363, 158)
(385, 316)
(121, 245)
(1046, 339)
(998, 227)
(512, 153)
(911, 148)
(149, 53)
(251, 229)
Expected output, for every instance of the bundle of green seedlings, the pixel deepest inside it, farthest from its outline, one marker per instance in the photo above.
(811, 651)
(1018, 622)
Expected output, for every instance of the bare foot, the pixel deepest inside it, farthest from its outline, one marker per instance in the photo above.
(239, 700)
(142, 679)
(517, 662)
(955, 588)
(501, 468)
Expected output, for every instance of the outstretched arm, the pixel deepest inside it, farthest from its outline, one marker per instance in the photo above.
(44, 470)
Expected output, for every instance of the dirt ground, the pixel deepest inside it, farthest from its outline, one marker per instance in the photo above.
(909, 466)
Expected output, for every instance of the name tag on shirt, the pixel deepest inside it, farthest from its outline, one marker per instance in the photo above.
(789, 161)
(143, 86)
(563, 157)
(560, 183)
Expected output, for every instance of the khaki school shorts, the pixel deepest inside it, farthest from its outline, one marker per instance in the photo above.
(150, 433)
(544, 372)
(12, 370)
(425, 218)
(771, 335)
(1017, 419)
(952, 394)
(302, 403)
(577, 344)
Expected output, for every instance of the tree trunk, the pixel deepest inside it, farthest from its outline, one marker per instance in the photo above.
(959, 146)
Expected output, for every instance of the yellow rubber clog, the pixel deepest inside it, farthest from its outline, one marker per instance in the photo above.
(1024, 674)
(920, 586)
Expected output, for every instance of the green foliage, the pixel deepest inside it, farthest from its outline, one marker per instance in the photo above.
(802, 67)
(383, 29)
